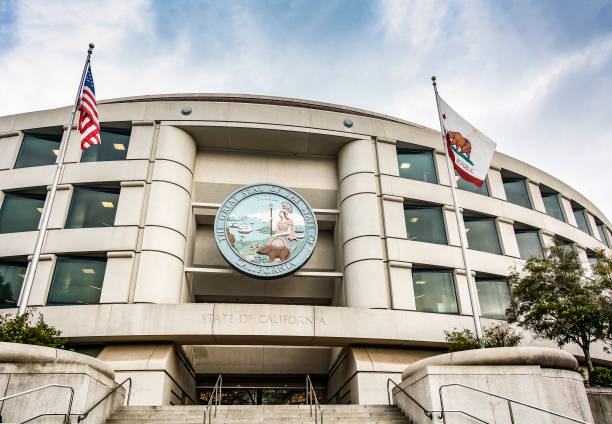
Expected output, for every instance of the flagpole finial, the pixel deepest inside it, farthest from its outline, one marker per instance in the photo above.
(433, 78)
(91, 45)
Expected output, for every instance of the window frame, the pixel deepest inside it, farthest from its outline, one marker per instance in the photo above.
(556, 195)
(453, 285)
(515, 180)
(442, 218)
(401, 150)
(471, 218)
(71, 258)
(29, 193)
(529, 230)
(47, 137)
(122, 131)
(484, 279)
(92, 188)
(15, 264)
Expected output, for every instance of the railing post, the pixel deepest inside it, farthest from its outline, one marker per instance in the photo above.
(511, 413)
(442, 406)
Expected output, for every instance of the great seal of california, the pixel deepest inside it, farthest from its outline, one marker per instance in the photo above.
(265, 231)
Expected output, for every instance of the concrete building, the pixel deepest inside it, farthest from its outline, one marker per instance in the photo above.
(131, 274)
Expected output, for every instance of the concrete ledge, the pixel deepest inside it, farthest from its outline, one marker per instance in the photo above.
(24, 353)
(543, 356)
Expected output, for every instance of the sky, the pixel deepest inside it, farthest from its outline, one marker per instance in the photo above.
(535, 76)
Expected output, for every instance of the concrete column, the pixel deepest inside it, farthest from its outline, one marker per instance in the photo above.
(73, 152)
(450, 222)
(496, 185)
(10, 142)
(117, 277)
(462, 291)
(42, 279)
(441, 167)
(387, 156)
(402, 289)
(535, 196)
(160, 277)
(507, 237)
(592, 225)
(141, 140)
(131, 199)
(61, 205)
(546, 238)
(566, 207)
(360, 222)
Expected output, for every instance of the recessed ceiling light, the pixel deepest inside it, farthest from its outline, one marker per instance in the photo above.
(108, 204)
(467, 230)
(420, 282)
(118, 146)
(405, 165)
(457, 177)
(88, 271)
(414, 219)
(39, 210)
(94, 287)
(55, 152)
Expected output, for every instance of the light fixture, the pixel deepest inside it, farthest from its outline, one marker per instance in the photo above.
(186, 110)
(414, 219)
(39, 210)
(21, 275)
(88, 271)
(107, 204)
(420, 282)
(118, 146)
(416, 297)
(348, 123)
(55, 152)
(405, 165)
(94, 287)
(457, 177)
(467, 230)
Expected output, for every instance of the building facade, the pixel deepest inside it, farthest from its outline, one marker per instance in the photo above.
(130, 271)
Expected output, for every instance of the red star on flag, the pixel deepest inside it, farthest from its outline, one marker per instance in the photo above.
(444, 116)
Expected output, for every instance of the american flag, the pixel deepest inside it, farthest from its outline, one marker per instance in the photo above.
(89, 127)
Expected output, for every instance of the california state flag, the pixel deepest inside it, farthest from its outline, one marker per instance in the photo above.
(470, 150)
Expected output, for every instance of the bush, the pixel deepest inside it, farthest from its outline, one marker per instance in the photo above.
(495, 335)
(600, 376)
(19, 329)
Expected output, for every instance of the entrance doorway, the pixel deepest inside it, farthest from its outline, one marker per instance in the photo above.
(261, 389)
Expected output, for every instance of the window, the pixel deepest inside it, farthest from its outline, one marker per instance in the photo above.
(37, 150)
(468, 186)
(579, 214)
(11, 279)
(92, 207)
(592, 259)
(529, 243)
(417, 165)
(601, 228)
(114, 146)
(434, 291)
(77, 281)
(516, 191)
(482, 235)
(425, 224)
(494, 297)
(552, 205)
(21, 212)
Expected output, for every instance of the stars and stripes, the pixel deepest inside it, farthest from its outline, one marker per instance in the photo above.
(89, 126)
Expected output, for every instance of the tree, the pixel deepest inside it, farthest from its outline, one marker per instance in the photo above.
(19, 329)
(556, 299)
(495, 335)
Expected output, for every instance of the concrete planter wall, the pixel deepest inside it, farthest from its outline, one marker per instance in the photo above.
(600, 399)
(541, 377)
(24, 367)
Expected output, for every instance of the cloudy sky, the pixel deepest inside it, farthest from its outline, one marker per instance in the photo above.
(536, 76)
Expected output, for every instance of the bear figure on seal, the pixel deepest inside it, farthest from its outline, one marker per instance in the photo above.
(275, 250)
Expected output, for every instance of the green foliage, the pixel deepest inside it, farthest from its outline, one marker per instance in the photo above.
(554, 298)
(19, 329)
(600, 376)
(495, 335)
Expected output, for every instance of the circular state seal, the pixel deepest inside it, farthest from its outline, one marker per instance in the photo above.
(265, 231)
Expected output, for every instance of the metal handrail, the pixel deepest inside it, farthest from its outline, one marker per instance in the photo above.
(509, 400)
(86, 413)
(311, 396)
(215, 394)
(425, 410)
(66, 416)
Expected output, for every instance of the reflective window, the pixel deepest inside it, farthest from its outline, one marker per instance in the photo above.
(77, 281)
(21, 212)
(516, 191)
(494, 297)
(529, 244)
(482, 234)
(602, 234)
(552, 206)
(92, 207)
(114, 146)
(37, 150)
(434, 291)
(592, 259)
(11, 279)
(468, 186)
(581, 220)
(417, 165)
(425, 224)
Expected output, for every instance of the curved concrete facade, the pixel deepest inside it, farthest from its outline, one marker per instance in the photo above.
(165, 281)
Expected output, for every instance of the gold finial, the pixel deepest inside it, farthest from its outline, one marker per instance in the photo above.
(433, 78)
(91, 45)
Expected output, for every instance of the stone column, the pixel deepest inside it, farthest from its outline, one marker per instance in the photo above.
(360, 223)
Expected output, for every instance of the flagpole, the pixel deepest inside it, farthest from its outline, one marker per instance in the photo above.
(460, 225)
(26, 289)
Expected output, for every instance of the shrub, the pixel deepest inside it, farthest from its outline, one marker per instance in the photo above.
(495, 335)
(600, 376)
(19, 329)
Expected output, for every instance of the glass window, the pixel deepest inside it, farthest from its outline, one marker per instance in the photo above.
(92, 207)
(37, 150)
(425, 224)
(11, 279)
(468, 186)
(552, 206)
(529, 244)
(114, 146)
(417, 165)
(77, 281)
(434, 291)
(581, 220)
(592, 259)
(482, 235)
(494, 297)
(602, 233)
(516, 191)
(21, 212)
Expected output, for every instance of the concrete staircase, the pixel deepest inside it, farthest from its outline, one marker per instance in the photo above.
(277, 414)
